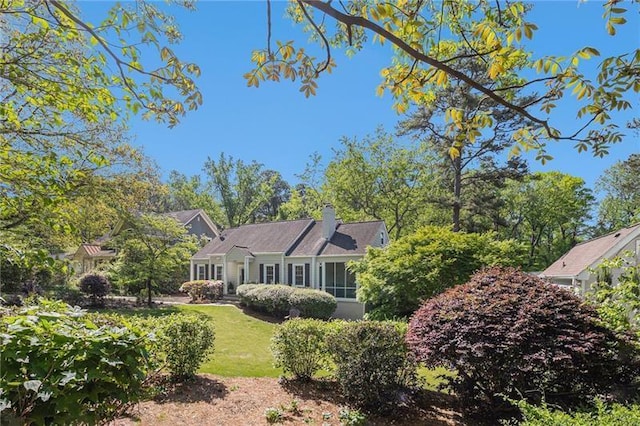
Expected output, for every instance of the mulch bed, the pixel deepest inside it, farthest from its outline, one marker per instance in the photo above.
(213, 400)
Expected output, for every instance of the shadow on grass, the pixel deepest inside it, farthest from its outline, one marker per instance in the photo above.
(424, 407)
(259, 315)
(143, 311)
(197, 389)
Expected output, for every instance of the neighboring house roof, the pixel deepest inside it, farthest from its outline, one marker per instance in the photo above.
(585, 255)
(295, 238)
(185, 217)
(92, 250)
(348, 239)
(269, 237)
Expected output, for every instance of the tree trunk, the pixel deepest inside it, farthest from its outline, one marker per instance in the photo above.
(149, 292)
(457, 189)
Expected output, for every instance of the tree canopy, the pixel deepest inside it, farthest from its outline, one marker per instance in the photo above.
(395, 280)
(429, 36)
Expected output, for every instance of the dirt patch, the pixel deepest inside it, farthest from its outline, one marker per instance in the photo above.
(212, 400)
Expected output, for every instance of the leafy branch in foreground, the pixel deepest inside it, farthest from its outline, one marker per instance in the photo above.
(428, 37)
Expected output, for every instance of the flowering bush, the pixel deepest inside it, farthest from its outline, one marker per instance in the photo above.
(203, 290)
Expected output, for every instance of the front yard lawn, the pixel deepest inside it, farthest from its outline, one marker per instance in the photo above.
(242, 343)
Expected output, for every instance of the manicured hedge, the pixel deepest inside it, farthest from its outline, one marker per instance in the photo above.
(278, 300)
(369, 359)
(508, 333)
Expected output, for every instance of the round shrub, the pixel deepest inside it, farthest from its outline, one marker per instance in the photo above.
(187, 341)
(373, 366)
(507, 332)
(313, 303)
(298, 346)
(273, 299)
(95, 285)
(277, 300)
(203, 290)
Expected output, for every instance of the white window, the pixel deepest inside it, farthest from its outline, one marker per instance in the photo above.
(202, 272)
(339, 281)
(269, 274)
(217, 272)
(298, 275)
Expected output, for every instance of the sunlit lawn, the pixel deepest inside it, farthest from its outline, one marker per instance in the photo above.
(242, 343)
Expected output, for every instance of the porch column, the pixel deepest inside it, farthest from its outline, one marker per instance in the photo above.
(283, 271)
(190, 270)
(224, 273)
(313, 271)
(246, 270)
(212, 274)
(323, 275)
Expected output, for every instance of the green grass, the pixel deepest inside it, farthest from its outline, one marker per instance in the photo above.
(242, 343)
(432, 377)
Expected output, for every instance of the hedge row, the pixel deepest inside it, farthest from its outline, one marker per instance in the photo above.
(279, 300)
(369, 359)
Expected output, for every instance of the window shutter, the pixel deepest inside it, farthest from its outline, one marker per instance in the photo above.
(290, 273)
(261, 273)
(206, 272)
(307, 274)
(276, 278)
(195, 271)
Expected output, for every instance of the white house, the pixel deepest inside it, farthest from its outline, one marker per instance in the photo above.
(302, 253)
(574, 268)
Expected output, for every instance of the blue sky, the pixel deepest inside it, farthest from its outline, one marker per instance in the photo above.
(277, 126)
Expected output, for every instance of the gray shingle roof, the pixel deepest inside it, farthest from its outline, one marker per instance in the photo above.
(586, 254)
(349, 239)
(270, 237)
(183, 216)
(295, 238)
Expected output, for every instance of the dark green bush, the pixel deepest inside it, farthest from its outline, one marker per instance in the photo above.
(278, 300)
(508, 333)
(96, 286)
(187, 341)
(299, 347)
(59, 367)
(373, 364)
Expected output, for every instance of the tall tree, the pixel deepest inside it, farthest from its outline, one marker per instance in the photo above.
(548, 212)
(464, 146)
(421, 33)
(620, 184)
(68, 86)
(281, 194)
(377, 177)
(153, 249)
(242, 189)
(187, 193)
(307, 198)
